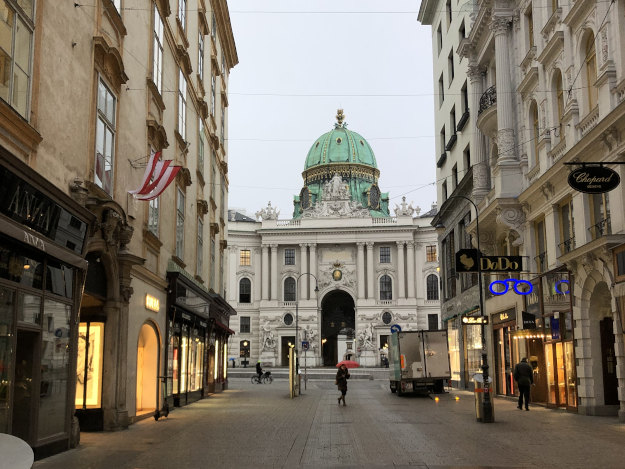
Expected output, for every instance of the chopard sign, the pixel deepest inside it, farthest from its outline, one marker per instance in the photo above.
(594, 179)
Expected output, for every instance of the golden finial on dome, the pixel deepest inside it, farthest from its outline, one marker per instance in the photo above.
(340, 117)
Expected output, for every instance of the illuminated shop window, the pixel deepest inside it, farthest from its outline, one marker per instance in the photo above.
(89, 365)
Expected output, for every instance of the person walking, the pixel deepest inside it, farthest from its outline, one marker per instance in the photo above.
(524, 376)
(342, 375)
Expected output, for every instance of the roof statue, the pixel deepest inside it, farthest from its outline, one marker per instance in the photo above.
(268, 213)
(406, 210)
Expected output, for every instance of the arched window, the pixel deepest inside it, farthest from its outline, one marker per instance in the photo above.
(289, 289)
(432, 287)
(245, 291)
(557, 86)
(386, 288)
(535, 132)
(591, 71)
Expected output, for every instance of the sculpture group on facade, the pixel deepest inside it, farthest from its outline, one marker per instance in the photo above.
(336, 202)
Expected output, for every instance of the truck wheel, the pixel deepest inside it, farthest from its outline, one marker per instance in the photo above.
(399, 391)
(393, 389)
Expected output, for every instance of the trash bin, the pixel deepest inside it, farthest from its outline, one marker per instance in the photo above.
(485, 414)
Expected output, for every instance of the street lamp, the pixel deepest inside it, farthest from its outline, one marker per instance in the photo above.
(297, 342)
(487, 409)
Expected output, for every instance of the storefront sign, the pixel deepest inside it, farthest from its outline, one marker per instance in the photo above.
(529, 320)
(466, 261)
(504, 316)
(475, 320)
(523, 287)
(32, 208)
(152, 303)
(594, 179)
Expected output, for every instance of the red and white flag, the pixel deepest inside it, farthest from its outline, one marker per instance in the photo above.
(158, 175)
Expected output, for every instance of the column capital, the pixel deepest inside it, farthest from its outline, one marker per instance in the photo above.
(500, 25)
(264, 247)
(273, 246)
(312, 246)
(475, 72)
(410, 244)
(303, 245)
(369, 244)
(400, 244)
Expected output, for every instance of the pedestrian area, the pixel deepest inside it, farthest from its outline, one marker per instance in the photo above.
(260, 426)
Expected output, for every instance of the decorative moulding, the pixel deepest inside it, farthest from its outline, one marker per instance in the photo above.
(109, 61)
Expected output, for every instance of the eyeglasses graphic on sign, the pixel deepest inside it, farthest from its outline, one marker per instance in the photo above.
(522, 287)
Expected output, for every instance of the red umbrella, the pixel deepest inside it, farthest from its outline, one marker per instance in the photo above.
(348, 364)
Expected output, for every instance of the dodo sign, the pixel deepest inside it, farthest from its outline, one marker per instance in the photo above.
(594, 179)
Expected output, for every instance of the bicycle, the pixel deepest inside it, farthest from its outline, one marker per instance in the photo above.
(266, 378)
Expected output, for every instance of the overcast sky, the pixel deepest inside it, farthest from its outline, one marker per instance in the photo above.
(300, 61)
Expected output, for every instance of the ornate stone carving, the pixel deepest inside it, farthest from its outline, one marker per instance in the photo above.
(499, 25)
(548, 190)
(610, 138)
(268, 213)
(78, 191)
(326, 278)
(336, 202)
(126, 293)
(269, 341)
(406, 210)
(513, 218)
(365, 338)
(604, 45)
(202, 207)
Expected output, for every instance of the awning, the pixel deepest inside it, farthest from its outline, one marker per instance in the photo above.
(224, 328)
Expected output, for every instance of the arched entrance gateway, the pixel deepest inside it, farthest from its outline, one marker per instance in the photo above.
(338, 318)
(147, 369)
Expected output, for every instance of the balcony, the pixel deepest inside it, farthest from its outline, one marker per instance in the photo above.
(541, 262)
(600, 229)
(567, 246)
(487, 113)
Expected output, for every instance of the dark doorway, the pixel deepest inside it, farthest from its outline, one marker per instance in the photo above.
(287, 342)
(24, 394)
(337, 313)
(608, 360)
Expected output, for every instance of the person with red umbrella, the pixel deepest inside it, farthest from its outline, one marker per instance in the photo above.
(342, 375)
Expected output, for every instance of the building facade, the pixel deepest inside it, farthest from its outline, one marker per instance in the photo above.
(550, 80)
(93, 90)
(339, 273)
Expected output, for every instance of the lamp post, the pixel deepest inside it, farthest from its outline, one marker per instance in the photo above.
(297, 342)
(487, 409)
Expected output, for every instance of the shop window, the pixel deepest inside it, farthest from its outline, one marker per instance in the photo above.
(245, 325)
(289, 289)
(29, 308)
(245, 290)
(16, 35)
(105, 138)
(386, 288)
(432, 287)
(7, 305)
(289, 256)
(433, 322)
(89, 365)
(385, 255)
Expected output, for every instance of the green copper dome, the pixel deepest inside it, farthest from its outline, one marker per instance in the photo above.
(348, 154)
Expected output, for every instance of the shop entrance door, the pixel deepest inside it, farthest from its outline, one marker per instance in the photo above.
(608, 360)
(287, 341)
(25, 396)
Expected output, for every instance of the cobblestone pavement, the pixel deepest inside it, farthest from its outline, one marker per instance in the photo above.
(259, 426)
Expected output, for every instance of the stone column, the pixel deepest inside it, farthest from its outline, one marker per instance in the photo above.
(552, 234)
(410, 268)
(232, 274)
(257, 274)
(313, 268)
(419, 263)
(401, 280)
(303, 280)
(274, 272)
(478, 155)
(360, 267)
(370, 272)
(500, 26)
(265, 268)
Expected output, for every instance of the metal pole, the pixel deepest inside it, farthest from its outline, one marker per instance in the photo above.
(305, 369)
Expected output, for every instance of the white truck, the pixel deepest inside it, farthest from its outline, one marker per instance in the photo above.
(419, 361)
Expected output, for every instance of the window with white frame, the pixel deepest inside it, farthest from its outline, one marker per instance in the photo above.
(153, 215)
(213, 85)
(16, 34)
(200, 247)
(180, 203)
(385, 255)
(157, 60)
(182, 13)
(105, 138)
(386, 288)
(289, 289)
(200, 55)
(182, 106)
(245, 291)
(200, 146)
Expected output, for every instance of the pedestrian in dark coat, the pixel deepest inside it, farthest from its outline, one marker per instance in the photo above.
(342, 375)
(524, 376)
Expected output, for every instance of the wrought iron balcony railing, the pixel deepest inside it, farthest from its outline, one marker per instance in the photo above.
(487, 99)
(601, 229)
(567, 246)
(541, 261)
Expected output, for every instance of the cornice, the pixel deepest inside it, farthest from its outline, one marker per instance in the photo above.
(552, 48)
